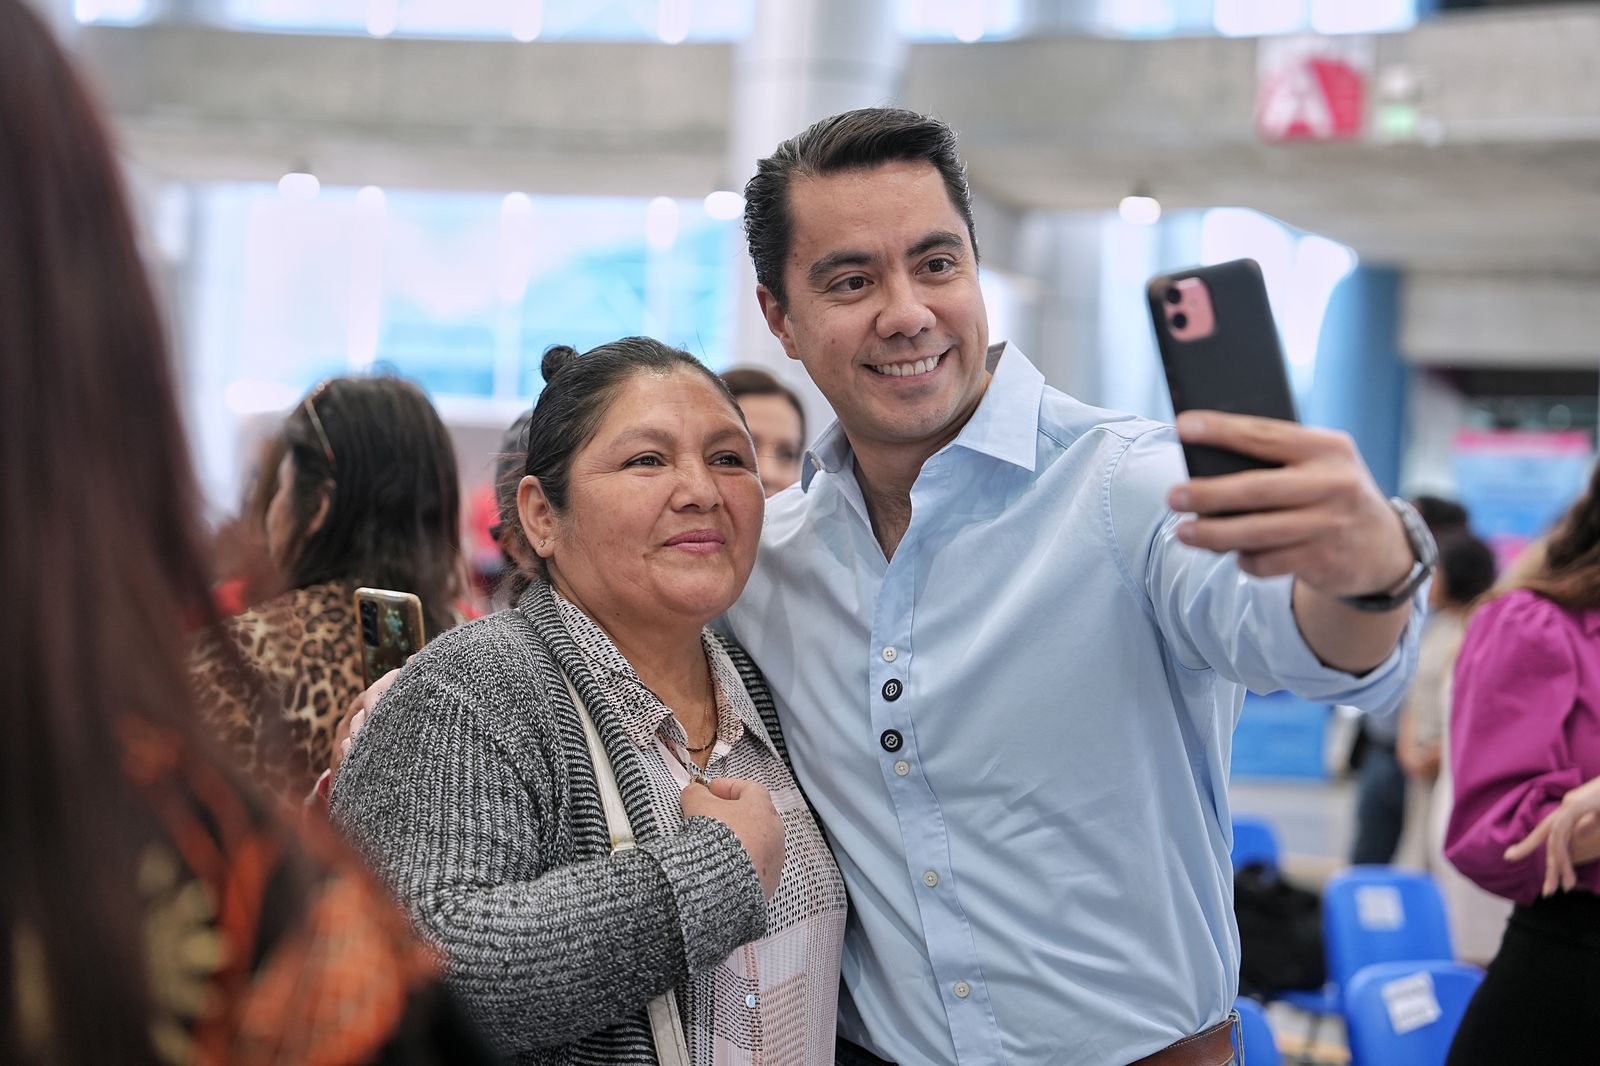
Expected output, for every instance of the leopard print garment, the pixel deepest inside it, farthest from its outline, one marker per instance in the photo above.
(276, 681)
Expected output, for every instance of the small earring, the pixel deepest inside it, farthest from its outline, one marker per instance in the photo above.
(542, 543)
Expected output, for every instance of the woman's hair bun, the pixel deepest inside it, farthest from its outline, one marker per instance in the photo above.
(555, 357)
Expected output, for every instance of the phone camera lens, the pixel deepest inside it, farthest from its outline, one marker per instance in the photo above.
(1174, 296)
(1180, 321)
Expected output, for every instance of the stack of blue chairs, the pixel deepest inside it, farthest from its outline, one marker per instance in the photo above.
(1381, 925)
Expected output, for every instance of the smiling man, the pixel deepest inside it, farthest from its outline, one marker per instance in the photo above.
(1010, 642)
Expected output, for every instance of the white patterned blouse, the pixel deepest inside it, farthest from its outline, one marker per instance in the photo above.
(772, 1001)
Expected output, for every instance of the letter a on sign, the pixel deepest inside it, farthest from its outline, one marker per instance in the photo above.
(1311, 88)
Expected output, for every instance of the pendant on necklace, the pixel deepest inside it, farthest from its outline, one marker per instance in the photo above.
(697, 776)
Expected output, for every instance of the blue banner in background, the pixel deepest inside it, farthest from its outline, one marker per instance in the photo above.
(1281, 737)
(1515, 484)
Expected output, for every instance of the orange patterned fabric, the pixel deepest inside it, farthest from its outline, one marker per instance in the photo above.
(268, 946)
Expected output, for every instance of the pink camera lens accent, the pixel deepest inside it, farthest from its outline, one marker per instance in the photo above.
(1191, 317)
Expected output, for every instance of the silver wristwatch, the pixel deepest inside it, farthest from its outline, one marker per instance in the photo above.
(1426, 554)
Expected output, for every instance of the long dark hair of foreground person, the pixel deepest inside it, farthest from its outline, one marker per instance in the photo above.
(99, 559)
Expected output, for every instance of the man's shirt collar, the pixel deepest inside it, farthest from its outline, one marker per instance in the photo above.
(1005, 426)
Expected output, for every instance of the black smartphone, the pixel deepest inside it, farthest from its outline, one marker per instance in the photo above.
(1219, 345)
(391, 630)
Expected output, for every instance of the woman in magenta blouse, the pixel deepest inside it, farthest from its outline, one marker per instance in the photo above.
(1524, 735)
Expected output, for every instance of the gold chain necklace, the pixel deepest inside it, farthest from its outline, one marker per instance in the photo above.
(711, 701)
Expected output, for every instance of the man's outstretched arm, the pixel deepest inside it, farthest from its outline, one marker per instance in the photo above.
(1319, 517)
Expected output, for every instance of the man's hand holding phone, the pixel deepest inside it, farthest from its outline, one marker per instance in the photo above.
(1319, 515)
(1287, 498)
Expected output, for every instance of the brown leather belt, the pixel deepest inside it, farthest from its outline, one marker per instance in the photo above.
(1214, 1047)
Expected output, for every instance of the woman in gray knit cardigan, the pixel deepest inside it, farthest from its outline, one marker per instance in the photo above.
(472, 791)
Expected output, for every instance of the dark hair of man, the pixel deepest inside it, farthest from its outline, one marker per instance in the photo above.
(854, 140)
(753, 381)
(578, 391)
(1466, 566)
(394, 519)
(1569, 574)
(100, 560)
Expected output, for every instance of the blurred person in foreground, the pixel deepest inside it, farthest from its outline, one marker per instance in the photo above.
(364, 493)
(472, 789)
(151, 909)
(1524, 741)
(1466, 572)
(1009, 642)
(777, 424)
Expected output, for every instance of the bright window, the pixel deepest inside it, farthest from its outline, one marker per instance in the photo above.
(461, 292)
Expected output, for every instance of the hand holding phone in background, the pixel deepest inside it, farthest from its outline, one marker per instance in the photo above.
(1288, 498)
(355, 716)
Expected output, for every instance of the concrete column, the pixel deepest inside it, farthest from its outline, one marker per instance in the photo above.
(187, 12)
(1063, 253)
(1094, 340)
(1112, 17)
(1052, 17)
(804, 60)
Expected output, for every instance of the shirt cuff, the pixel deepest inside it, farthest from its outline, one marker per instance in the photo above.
(1378, 691)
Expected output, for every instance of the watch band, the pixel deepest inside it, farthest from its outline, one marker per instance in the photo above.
(1425, 553)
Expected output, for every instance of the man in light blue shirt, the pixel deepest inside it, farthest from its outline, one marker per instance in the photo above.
(1008, 665)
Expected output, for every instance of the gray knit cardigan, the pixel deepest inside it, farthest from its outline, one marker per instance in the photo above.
(472, 793)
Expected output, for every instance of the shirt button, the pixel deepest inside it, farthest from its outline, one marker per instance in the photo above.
(930, 879)
(750, 1001)
(902, 768)
(890, 654)
(891, 740)
(962, 990)
(892, 689)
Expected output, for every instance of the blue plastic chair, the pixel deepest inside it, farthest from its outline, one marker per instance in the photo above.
(1407, 1012)
(1260, 1046)
(1382, 914)
(1253, 841)
(1373, 914)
